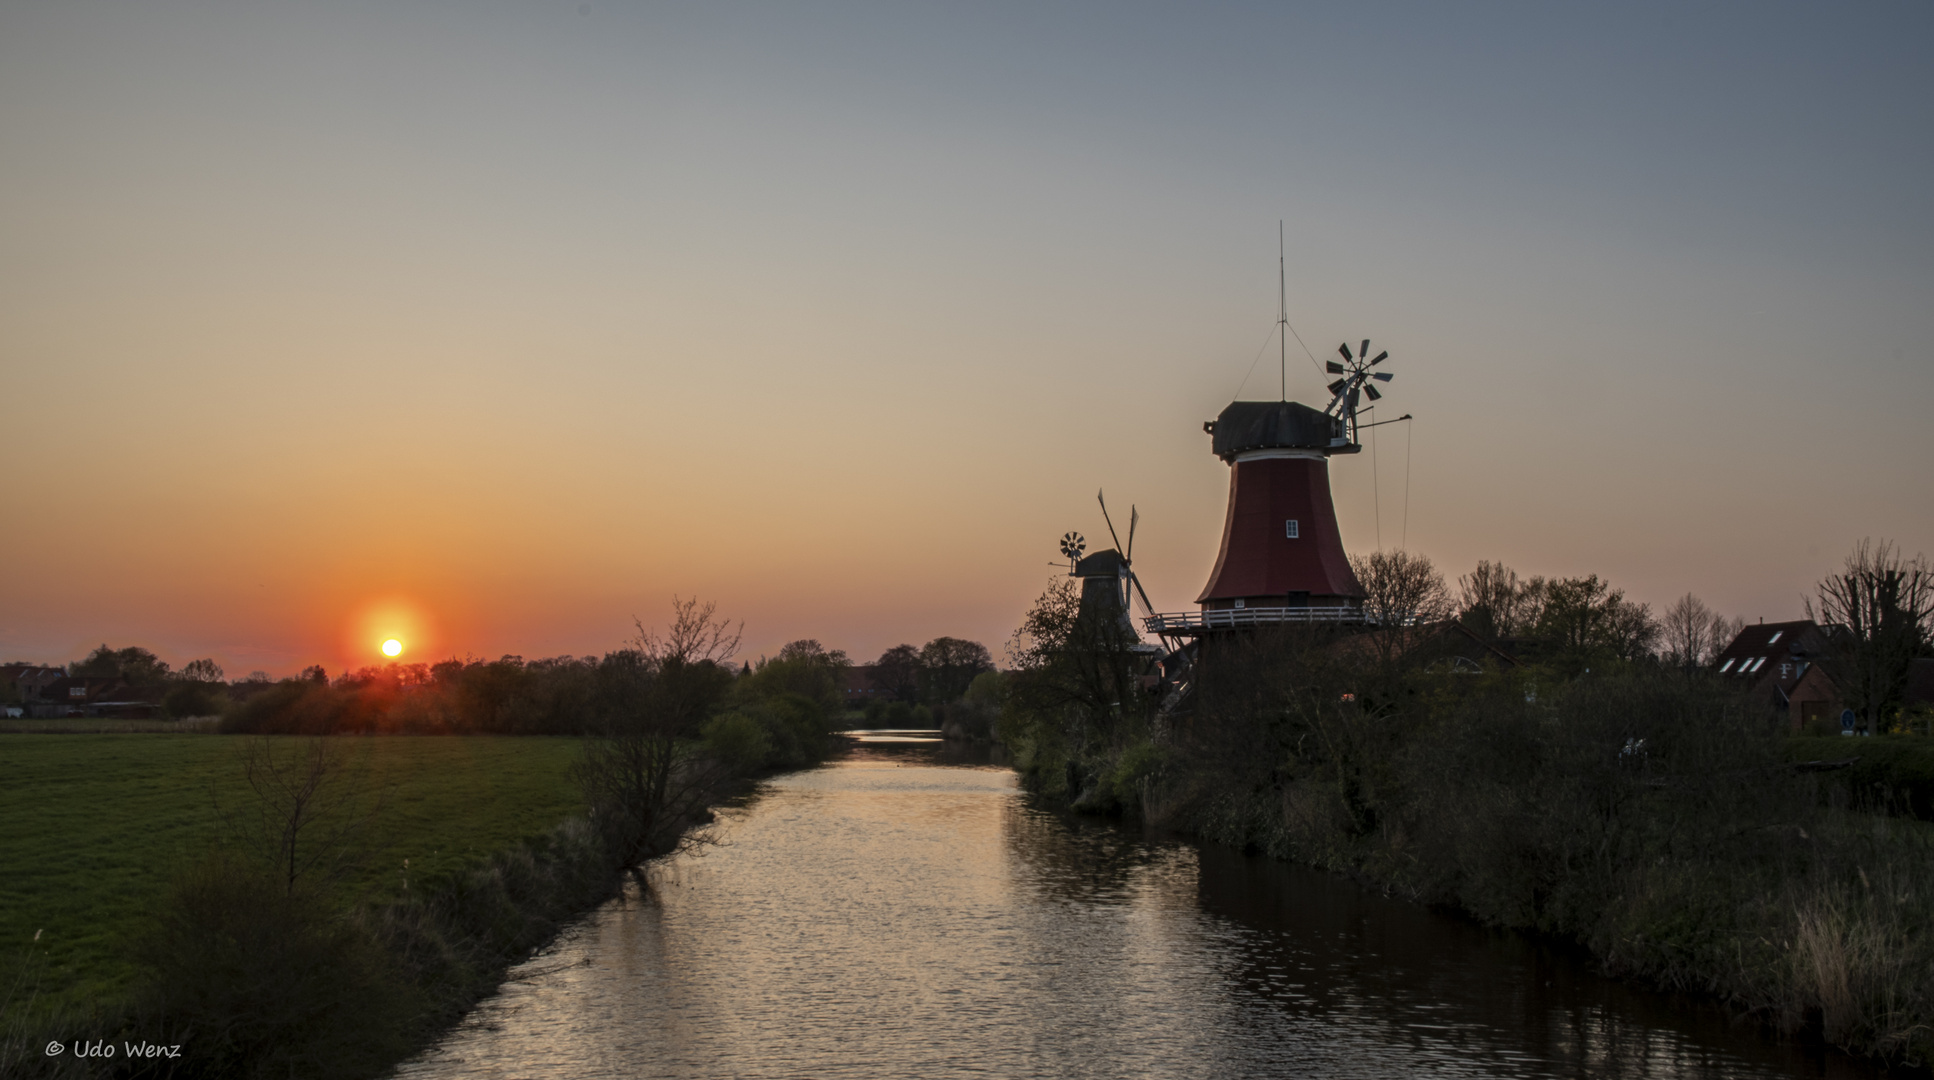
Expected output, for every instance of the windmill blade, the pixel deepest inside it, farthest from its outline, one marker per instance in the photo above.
(1371, 390)
(1339, 385)
(1345, 350)
(1104, 517)
(1382, 376)
(1332, 367)
(1139, 591)
(1134, 516)
(1365, 351)
(1381, 357)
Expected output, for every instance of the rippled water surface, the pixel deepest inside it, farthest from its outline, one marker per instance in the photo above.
(897, 915)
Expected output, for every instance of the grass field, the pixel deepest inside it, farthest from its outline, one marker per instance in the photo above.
(92, 827)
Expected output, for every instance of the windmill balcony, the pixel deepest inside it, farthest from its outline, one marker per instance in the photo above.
(1188, 623)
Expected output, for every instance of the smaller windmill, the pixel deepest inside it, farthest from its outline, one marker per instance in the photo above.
(1112, 571)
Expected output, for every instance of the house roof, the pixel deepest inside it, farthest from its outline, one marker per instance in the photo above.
(11, 672)
(1761, 644)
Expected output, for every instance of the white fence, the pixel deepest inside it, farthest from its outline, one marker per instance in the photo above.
(1195, 622)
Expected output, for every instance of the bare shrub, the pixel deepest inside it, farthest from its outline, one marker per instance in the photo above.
(311, 803)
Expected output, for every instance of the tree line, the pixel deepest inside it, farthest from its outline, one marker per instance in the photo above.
(1876, 611)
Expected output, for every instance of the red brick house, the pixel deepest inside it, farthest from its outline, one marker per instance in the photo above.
(1778, 663)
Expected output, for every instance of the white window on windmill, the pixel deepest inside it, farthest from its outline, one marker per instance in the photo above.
(1290, 528)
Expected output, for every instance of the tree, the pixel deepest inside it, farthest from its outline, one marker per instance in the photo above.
(897, 671)
(132, 664)
(809, 650)
(803, 668)
(1079, 692)
(1692, 634)
(1401, 590)
(1493, 603)
(948, 666)
(1880, 614)
(1584, 621)
(204, 671)
(643, 772)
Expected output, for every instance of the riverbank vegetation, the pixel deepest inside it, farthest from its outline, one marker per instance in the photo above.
(1594, 789)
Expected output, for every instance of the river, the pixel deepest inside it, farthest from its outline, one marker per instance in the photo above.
(907, 912)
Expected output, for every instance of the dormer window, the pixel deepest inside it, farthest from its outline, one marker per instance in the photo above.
(1725, 667)
(1291, 529)
(1775, 637)
(1759, 663)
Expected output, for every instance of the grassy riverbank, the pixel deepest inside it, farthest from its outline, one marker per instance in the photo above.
(1659, 821)
(98, 825)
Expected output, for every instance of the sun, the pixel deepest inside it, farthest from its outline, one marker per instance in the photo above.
(392, 647)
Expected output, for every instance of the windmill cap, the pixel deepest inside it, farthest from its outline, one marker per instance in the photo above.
(1101, 564)
(1265, 425)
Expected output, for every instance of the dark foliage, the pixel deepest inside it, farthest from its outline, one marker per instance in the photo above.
(257, 981)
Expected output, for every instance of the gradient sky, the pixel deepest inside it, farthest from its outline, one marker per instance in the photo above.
(503, 323)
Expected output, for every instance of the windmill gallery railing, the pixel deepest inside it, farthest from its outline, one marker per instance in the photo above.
(1186, 623)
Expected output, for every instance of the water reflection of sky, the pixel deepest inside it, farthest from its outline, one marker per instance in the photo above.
(893, 735)
(889, 918)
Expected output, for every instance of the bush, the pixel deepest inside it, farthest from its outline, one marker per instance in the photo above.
(738, 740)
(185, 699)
(1894, 773)
(257, 982)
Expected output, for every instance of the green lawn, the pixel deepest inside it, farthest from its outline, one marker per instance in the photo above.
(92, 827)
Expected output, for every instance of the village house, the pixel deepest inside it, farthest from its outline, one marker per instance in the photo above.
(856, 685)
(21, 684)
(1778, 664)
(77, 695)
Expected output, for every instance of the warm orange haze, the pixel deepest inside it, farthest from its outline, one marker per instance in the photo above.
(489, 334)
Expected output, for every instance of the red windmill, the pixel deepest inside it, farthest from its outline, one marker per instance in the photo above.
(1282, 558)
